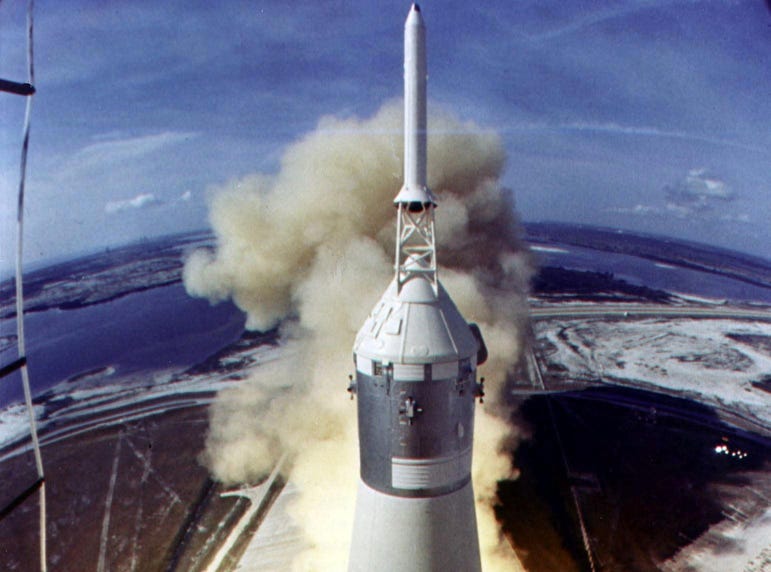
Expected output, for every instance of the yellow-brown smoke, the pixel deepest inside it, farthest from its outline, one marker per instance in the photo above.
(315, 243)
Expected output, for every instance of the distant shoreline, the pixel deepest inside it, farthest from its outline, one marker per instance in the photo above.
(137, 267)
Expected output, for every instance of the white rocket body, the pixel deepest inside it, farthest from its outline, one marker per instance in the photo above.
(416, 388)
(415, 188)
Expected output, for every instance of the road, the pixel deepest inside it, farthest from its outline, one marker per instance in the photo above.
(261, 499)
(647, 310)
(65, 427)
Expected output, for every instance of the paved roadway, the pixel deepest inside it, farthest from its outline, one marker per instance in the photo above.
(647, 310)
(247, 526)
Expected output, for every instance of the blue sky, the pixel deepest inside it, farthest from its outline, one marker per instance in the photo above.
(646, 115)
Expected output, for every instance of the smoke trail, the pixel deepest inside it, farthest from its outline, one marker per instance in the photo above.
(315, 243)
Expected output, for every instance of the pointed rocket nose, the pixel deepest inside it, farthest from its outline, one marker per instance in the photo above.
(414, 17)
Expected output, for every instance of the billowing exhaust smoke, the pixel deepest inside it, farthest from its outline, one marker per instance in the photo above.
(311, 249)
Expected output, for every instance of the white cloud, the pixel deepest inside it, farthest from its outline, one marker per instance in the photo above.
(701, 183)
(644, 210)
(141, 201)
(697, 195)
(699, 192)
(115, 150)
(589, 20)
(186, 196)
(637, 210)
(742, 217)
(647, 131)
(108, 153)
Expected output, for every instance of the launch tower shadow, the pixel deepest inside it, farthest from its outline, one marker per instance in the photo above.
(651, 473)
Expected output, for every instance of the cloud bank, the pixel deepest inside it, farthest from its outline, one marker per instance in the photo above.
(700, 195)
(311, 248)
(699, 192)
(141, 201)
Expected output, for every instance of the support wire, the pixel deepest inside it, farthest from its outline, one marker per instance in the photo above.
(40, 483)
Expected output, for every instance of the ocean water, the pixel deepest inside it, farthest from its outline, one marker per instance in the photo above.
(165, 328)
(644, 272)
(144, 331)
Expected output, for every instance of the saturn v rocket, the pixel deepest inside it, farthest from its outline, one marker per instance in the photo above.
(416, 387)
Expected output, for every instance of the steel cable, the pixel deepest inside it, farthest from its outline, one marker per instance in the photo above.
(20, 287)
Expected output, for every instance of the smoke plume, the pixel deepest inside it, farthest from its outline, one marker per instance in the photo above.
(311, 248)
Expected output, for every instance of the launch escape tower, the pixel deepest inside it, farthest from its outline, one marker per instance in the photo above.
(416, 360)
